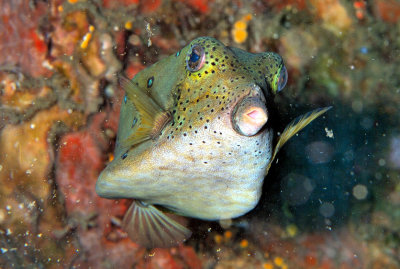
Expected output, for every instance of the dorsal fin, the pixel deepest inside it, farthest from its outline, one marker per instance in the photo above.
(152, 118)
(149, 227)
(294, 127)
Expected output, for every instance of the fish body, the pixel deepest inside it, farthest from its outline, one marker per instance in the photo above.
(194, 138)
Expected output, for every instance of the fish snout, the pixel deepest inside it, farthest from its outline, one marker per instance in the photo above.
(250, 114)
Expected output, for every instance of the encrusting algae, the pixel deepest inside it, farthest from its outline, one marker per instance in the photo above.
(195, 139)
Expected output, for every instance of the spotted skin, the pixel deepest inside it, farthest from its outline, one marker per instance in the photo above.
(198, 166)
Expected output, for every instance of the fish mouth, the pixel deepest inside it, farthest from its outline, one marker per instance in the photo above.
(250, 114)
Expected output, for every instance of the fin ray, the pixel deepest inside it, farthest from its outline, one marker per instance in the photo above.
(149, 227)
(152, 118)
(294, 127)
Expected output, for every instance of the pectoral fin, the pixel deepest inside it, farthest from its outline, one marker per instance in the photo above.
(294, 127)
(149, 227)
(152, 118)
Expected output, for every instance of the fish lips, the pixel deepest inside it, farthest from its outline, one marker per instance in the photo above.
(250, 114)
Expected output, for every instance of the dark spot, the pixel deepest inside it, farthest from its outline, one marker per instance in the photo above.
(124, 155)
(134, 122)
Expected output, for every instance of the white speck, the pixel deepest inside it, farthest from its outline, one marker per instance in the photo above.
(3, 250)
(28, 172)
(360, 191)
(329, 133)
(352, 67)
(31, 204)
(8, 231)
(382, 162)
(39, 235)
(21, 206)
(209, 230)
(8, 207)
(69, 111)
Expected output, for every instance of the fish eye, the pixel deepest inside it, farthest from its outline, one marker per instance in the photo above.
(196, 58)
(280, 80)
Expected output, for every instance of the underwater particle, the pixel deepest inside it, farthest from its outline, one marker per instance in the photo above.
(296, 189)
(394, 156)
(319, 152)
(244, 243)
(149, 34)
(360, 191)
(357, 106)
(381, 162)
(327, 209)
(329, 133)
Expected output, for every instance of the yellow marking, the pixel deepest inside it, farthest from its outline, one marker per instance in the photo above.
(91, 28)
(85, 41)
(60, 8)
(239, 35)
(291, 230)
(228, 235)
(278, 261)
(240, 25)
(128, 25)
(244, 243)
(268, 265)
(218, 239)
(247, 17)
(73, 1)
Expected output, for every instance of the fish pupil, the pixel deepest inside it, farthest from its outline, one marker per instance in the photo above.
(194, 57)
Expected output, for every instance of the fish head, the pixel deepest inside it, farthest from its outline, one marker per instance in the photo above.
(228, 85)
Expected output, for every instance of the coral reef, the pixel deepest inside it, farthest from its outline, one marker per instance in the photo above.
(331, 201)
